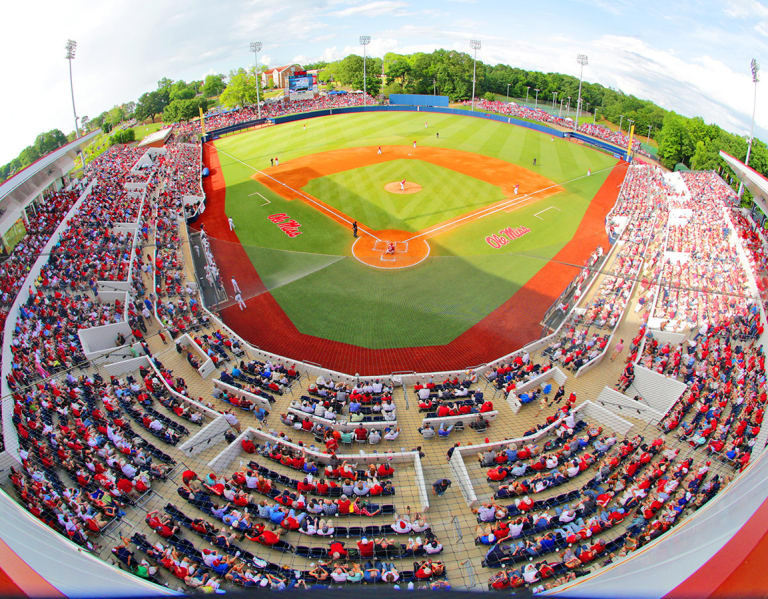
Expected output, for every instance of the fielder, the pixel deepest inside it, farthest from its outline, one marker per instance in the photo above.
(239, 300)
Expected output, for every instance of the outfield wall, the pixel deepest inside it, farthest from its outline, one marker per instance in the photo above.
(418, 100)
(540, 127)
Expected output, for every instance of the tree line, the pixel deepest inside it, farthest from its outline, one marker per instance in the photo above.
(681, 140)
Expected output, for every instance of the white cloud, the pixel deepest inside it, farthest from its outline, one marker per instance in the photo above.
(374, 9)
(746, 9)
(695, 63)
(330, 54)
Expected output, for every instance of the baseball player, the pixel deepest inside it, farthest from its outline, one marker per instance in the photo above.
(239, 300)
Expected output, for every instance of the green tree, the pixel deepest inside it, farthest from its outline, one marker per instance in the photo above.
(241, 89)
(184, 110)
(397, 69)
(181, 91)
(123, 136)
(150, 104)
(213, 85)
(115, 116)
(675, 141)
(49, 141)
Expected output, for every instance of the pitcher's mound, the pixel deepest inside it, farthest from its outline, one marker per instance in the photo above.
(410, 187)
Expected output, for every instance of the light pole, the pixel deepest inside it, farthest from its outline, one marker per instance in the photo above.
(581, 59)
(755, 69)
(536, 104)
(649, 133)
(508, 84)
(71, 46)
(621, 120)
(475, 45)
(364, 41)
(594, 116)
(568, 108)
(560, 114)
(554, 95)
(527, 87)
(256, 48)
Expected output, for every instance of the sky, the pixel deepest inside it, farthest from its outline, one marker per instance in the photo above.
(691, 57)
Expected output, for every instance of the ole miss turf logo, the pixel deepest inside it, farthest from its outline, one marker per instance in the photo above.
(287, 225)
(504, 236)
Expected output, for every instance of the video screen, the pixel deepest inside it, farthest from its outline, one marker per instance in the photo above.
(300, 84)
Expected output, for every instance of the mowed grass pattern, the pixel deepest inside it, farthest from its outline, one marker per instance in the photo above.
(328, 293)
(360, 194)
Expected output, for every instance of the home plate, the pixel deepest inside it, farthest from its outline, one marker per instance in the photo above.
(545, 209)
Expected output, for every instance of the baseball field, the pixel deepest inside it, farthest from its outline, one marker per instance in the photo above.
(454, 223)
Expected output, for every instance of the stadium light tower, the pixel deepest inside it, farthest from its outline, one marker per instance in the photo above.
(536, 102)
(71, 46)
(508, 84)
(554, 95)
(256, 48)
(364, 41)
(755, 70)
(568, 108)
(649, 133)
(475, 45)
(581, 59)
(621, 120)
(527, 87)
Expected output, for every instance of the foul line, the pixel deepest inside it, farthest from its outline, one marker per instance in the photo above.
(504, 205)
(334, 213)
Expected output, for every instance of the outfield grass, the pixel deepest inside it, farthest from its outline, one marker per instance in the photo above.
(141, 131)
(445, 194)
(328, 293)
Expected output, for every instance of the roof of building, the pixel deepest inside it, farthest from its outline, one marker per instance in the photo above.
(17, 191)
(754, 181)
(160, 135)
(280, 69)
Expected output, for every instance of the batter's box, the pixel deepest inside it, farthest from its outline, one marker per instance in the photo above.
(545, 210)
(389, 247)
